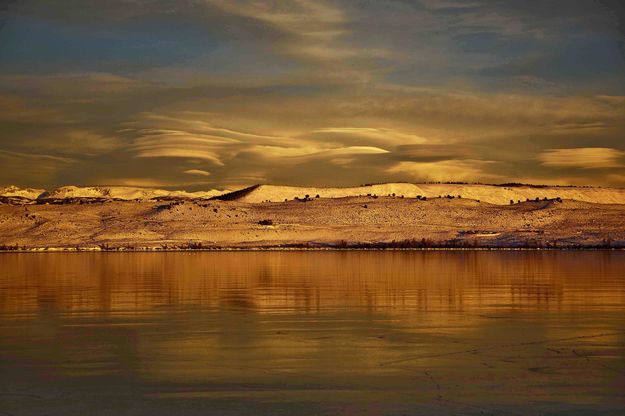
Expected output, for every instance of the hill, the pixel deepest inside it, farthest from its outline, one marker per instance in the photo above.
(367, 222)
(114, 192)
(494, 194)
(14, 191)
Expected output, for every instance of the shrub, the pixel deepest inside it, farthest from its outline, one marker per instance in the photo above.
(511, 202)
(265, 222)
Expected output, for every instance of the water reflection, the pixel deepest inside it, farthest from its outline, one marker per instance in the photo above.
(309, 282)
(312, 332)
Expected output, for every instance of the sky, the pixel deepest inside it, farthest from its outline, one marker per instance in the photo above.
(202, 94)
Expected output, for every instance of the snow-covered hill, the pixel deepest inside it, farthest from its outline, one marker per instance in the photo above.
(493, 194)
(115, 192)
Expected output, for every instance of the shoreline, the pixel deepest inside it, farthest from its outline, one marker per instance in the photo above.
(287, 249)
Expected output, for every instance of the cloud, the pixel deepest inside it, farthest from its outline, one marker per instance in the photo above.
(440, 134)
(340, 139)
(70, 84)
(19, 109)
(195, 125)
(301, 91)
(38, 169)
(382, 137)
(446, 170)
(34, 157)
(295, 155)
(311, 27)
(197, 172)
(432, 152)
(218, 145)
(180, 144)
(316, 19)
(315, 37)
(76, 143)
(583, 158)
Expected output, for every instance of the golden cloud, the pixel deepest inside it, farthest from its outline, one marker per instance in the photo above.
(583, 158)
(446, 170)
(382, 137)
(198, 172)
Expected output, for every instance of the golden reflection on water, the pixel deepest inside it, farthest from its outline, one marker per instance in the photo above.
(316, 333)
(280, 282)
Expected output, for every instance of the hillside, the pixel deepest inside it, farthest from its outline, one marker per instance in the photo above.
(324, 222)
(494, 194)
(125, 193)
(114, 192)
(27, 193)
